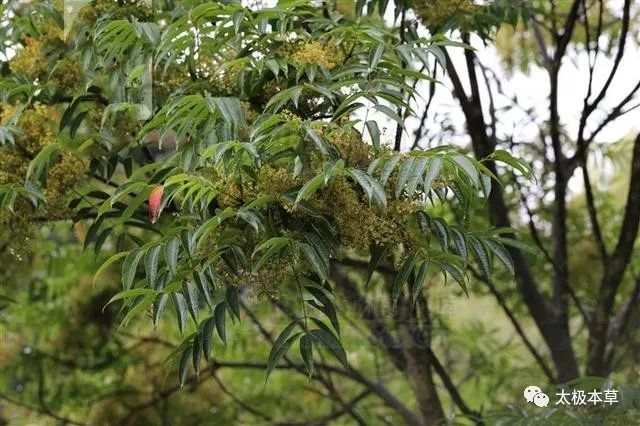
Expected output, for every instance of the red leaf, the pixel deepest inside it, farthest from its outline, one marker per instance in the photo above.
(155, 200)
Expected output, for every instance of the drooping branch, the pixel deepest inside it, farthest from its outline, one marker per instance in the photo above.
(437, 366)
(441, 371)
(425, 113)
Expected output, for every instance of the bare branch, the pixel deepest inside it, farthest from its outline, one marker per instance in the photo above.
(567, 32)
(41, 410)
(615, 113)
(616, 62)
(239, 401)
(591, 205)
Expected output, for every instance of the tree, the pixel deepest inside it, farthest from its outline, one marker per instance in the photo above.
(555, 28)
(230, 157)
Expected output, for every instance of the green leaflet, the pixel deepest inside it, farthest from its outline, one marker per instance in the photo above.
(129, 267)
(306, 352)
(281, 346)
(402, 276)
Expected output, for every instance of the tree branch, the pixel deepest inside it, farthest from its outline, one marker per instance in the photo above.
(554, 329)
(516, 325)
(621, 320)
(614, 271)
(45, 411)
(567, 32)
(626, 16)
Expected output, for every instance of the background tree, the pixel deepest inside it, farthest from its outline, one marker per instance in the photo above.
(245, 162)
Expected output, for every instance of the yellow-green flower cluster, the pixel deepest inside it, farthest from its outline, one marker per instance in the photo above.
(67, 74)
(30, 59)
(317, 53)
(222, 80)
(435, 13)
(274, 181)
(349, 142)
(360, 223)
(36, 125)
(250, 112)
(126, 9)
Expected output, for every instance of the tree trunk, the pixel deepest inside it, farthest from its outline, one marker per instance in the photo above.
(614, 273)
(416, 346)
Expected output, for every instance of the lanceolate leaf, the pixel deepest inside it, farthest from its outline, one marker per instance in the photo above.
(281, 346)
(460, 242)
(326, 305)
(190, 294)
(374, 133)
(320, 265)
(207, 337)
(371, 187)
(171, 250)
(181, 310)
(506, 158)
(377, 254)
(388, 169)
(419, 281)
(155, 203)
(327, 339)
(402, 276)
(441, 232)
(502, 254)
(403, 175)
(184, 365)
(128, 294)
(481, 254)
(129, 267)
(108, 263)
(306, 352)
(159, 306)
(467, 166)
(196, 354)
(310, 187)
(433, 170)
(220, 319)
(416, 176)
(151, 265)
(233, 301)
(202, 283)
(453, 271)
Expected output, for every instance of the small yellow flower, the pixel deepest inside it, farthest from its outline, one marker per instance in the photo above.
(314, 52)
